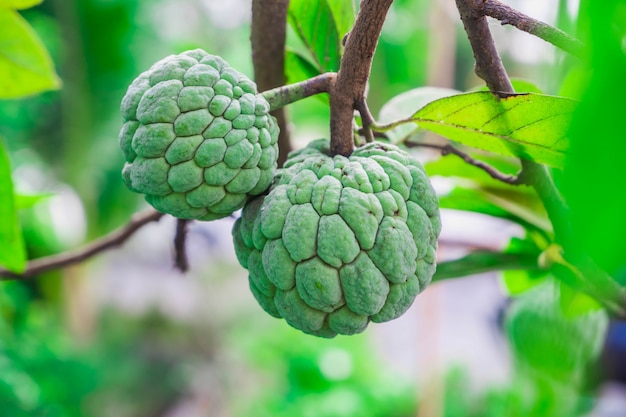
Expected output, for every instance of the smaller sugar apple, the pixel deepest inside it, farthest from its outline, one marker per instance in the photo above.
(543, 338)
(340, 241)
(198, 140)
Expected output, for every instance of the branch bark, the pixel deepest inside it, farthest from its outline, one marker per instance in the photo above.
(113, 239)
(268, 37)
(356, 63)
(287, 94)
(488, 62)
(509, 16)
(181, 261)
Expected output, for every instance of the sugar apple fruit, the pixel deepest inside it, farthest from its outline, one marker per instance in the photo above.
(340, 241)
(198, 140)
(543, 338)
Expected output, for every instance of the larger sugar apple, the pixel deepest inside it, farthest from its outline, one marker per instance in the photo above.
(198, 140)
(340, 241)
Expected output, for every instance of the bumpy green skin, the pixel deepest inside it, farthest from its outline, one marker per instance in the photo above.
(340, 241)
(198, 140)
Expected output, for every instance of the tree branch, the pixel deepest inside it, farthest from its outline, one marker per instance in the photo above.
(356, 63)
(287, 94)
(180, 245)
(113, 239)
(268, 36)
(488, 62)
(366, 118)
(509, 16)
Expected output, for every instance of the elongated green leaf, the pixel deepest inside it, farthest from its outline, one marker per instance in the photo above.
(481, 201)
(19, 4)
(12, 250)
(298, 68)
(575, 303)
(594, 177)
(484, 261)
(530, 126)
(25, 65)
(343, 15)
(315, 26)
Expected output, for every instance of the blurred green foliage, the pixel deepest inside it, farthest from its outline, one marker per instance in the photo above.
(338, 377)
(143, 366)
(594, 175)
(45, 372)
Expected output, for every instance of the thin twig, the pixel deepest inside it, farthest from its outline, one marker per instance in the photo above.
(366, 118)
(61, 260)
(181, 261)
(449, 149)
(354, 72)
(509, 16)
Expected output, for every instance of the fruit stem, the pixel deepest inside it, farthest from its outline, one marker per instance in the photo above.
(281, 96)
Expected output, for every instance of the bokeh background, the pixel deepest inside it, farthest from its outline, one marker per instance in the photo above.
(126, 335)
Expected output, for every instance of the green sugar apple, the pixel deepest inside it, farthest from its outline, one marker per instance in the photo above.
(545, 339)
(198, 140)
(340, 241)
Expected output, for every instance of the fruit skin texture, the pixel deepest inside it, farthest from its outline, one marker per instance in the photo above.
(197, 138)
(340, 241)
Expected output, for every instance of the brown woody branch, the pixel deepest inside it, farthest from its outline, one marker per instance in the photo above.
(181, 261)
(113, 239)
(488, 62)
(356, 63)
(268, 37)
(509, 16)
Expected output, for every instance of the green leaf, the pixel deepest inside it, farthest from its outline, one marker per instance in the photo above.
(575, 302)
(594, 175)
(518, 281)
(314, 24)
(484, 261)
(25, 65)
(530, 126)
(343, 14)
(12, 249)
(476, 191)
(298, 68)
(403, 105)
(19, 4)
(481, 201)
